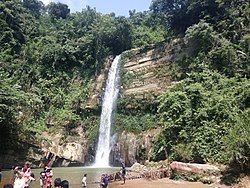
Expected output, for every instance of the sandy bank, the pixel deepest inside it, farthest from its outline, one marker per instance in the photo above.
(161, 183)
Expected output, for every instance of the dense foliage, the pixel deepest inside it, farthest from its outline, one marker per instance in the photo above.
(198, 114)
(203, 111)
(49, 57)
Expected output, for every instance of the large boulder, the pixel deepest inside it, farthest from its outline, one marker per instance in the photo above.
(195, 168)
(136, 167)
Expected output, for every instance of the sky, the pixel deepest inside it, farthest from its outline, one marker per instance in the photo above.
(119, 7)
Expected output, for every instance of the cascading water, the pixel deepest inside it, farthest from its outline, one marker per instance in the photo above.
(109, 102)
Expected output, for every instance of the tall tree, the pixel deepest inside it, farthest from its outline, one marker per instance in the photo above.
(58, 10)
(180, 14)
(36, 7)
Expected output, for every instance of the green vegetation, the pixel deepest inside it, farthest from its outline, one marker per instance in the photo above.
(206, 114)
(49, 56)
(199, 112)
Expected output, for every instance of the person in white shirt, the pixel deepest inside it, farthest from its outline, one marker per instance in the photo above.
(20, 180)
(84, 180)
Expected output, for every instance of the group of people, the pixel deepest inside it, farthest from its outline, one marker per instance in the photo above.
(103, 183)
(46, 176)
(105, 178)
(58, 183)
(46, 179)
(21, 178)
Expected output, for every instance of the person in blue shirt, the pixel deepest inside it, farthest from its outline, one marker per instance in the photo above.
(104, 181)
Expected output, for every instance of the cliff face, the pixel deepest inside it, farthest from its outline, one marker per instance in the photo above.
(148, 70)
(144, 70)
(133, 148)
(61, 150)
(145, 74)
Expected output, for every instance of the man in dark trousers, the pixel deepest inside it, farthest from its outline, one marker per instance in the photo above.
(123, 172)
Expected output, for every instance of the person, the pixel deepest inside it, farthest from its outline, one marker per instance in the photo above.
(28, 176)
(102, 184)
(49, 177)
(8, 185)
(1, 175)
(57, 183)
(26, 167)
(123, 172)
(43, 178)
(105, 181)
(84, 180)
(19, 181)
(65, 184)
(14, 174)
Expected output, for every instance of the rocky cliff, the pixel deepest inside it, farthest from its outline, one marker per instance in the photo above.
(144, 70)
(145, 74)
(148, 70)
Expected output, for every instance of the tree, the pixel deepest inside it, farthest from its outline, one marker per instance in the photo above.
(180, 14)
(172, 13)
(10, 97)
(199, 112)
(58, 10)
(35, 7)
(16, 24)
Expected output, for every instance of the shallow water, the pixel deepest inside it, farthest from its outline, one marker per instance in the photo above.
(72, 174)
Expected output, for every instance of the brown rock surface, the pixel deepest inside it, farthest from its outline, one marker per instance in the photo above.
(194, 168)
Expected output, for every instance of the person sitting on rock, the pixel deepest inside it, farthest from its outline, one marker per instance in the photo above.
(106, 181)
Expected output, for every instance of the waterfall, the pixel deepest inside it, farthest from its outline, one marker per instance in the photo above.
(109, 102)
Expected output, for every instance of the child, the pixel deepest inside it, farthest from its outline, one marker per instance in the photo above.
(84, 180)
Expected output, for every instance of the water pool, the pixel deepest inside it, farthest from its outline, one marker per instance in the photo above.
(72, 174)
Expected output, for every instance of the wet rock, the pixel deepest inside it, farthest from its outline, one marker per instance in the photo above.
(130, 146)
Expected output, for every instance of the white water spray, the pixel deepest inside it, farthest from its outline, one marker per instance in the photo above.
(109, 102)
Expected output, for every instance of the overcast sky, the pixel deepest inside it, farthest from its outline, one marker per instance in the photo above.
(119, 7)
